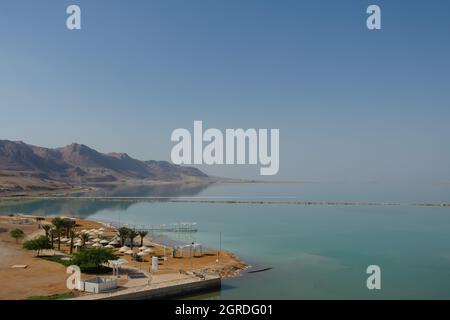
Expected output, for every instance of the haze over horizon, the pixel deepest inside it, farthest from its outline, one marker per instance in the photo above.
(351, 104)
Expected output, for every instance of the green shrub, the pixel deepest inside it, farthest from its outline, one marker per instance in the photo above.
(60, 296)
(38, 244)
(17, 234)
(57, 259)
(91, 260)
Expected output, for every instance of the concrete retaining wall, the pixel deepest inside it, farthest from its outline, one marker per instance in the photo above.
(170, 291)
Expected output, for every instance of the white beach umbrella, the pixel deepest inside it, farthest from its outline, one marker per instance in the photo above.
(114, 243)
(148, 250)
(143, 248)
(109, 246)
(142, 253)
(96, 240)
(124, 249)
(101, 229)
(97, 245)
(78, 244)
(104, 241)
(130, 252)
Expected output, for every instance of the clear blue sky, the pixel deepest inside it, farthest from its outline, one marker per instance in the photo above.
(351, 104)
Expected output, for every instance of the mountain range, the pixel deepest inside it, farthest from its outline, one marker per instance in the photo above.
(24, 167)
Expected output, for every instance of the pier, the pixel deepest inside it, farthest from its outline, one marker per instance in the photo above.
(182, 227)
(186, 286)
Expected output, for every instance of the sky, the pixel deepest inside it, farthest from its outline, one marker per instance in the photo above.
(351, 104)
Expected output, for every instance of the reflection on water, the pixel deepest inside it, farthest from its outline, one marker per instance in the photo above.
(162, 190)
(84, 208)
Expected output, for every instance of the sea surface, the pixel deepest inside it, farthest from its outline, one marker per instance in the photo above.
(315, 251)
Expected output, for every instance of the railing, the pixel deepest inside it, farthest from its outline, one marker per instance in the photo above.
(160, 284)
(174, 227)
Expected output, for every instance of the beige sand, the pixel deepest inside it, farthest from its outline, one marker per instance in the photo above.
(39, 278)
(44, 278)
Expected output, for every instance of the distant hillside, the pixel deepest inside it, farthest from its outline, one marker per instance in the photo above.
(36, 167)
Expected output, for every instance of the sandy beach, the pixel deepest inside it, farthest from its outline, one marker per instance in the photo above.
(45, 278)
(41, 277)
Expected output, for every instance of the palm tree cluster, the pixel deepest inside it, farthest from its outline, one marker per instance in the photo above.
(125, 234)
(63, 230)
(60, 227)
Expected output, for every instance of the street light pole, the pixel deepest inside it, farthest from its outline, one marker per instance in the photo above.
(192, 245)
(220, 246)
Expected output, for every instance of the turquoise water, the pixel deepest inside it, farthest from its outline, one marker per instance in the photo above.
(315, 251)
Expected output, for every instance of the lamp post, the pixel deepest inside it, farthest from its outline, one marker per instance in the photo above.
(192, 246)
(220, 246)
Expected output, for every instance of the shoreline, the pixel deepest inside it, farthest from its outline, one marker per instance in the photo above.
(235, 269)
(46, 277)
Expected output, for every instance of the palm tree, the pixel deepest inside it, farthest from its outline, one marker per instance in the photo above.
(68, 224)
(142, 234)
(52, 232)
(59, 224)
(72, 235)
(47, 229)
(123, 234)
(132, 234)
(84, 237)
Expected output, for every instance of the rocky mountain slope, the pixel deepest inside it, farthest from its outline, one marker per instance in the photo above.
(76, 164)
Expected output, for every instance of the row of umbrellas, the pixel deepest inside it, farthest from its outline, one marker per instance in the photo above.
(94, 232)
(98, 243)
(95, 241)
(143, 251)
